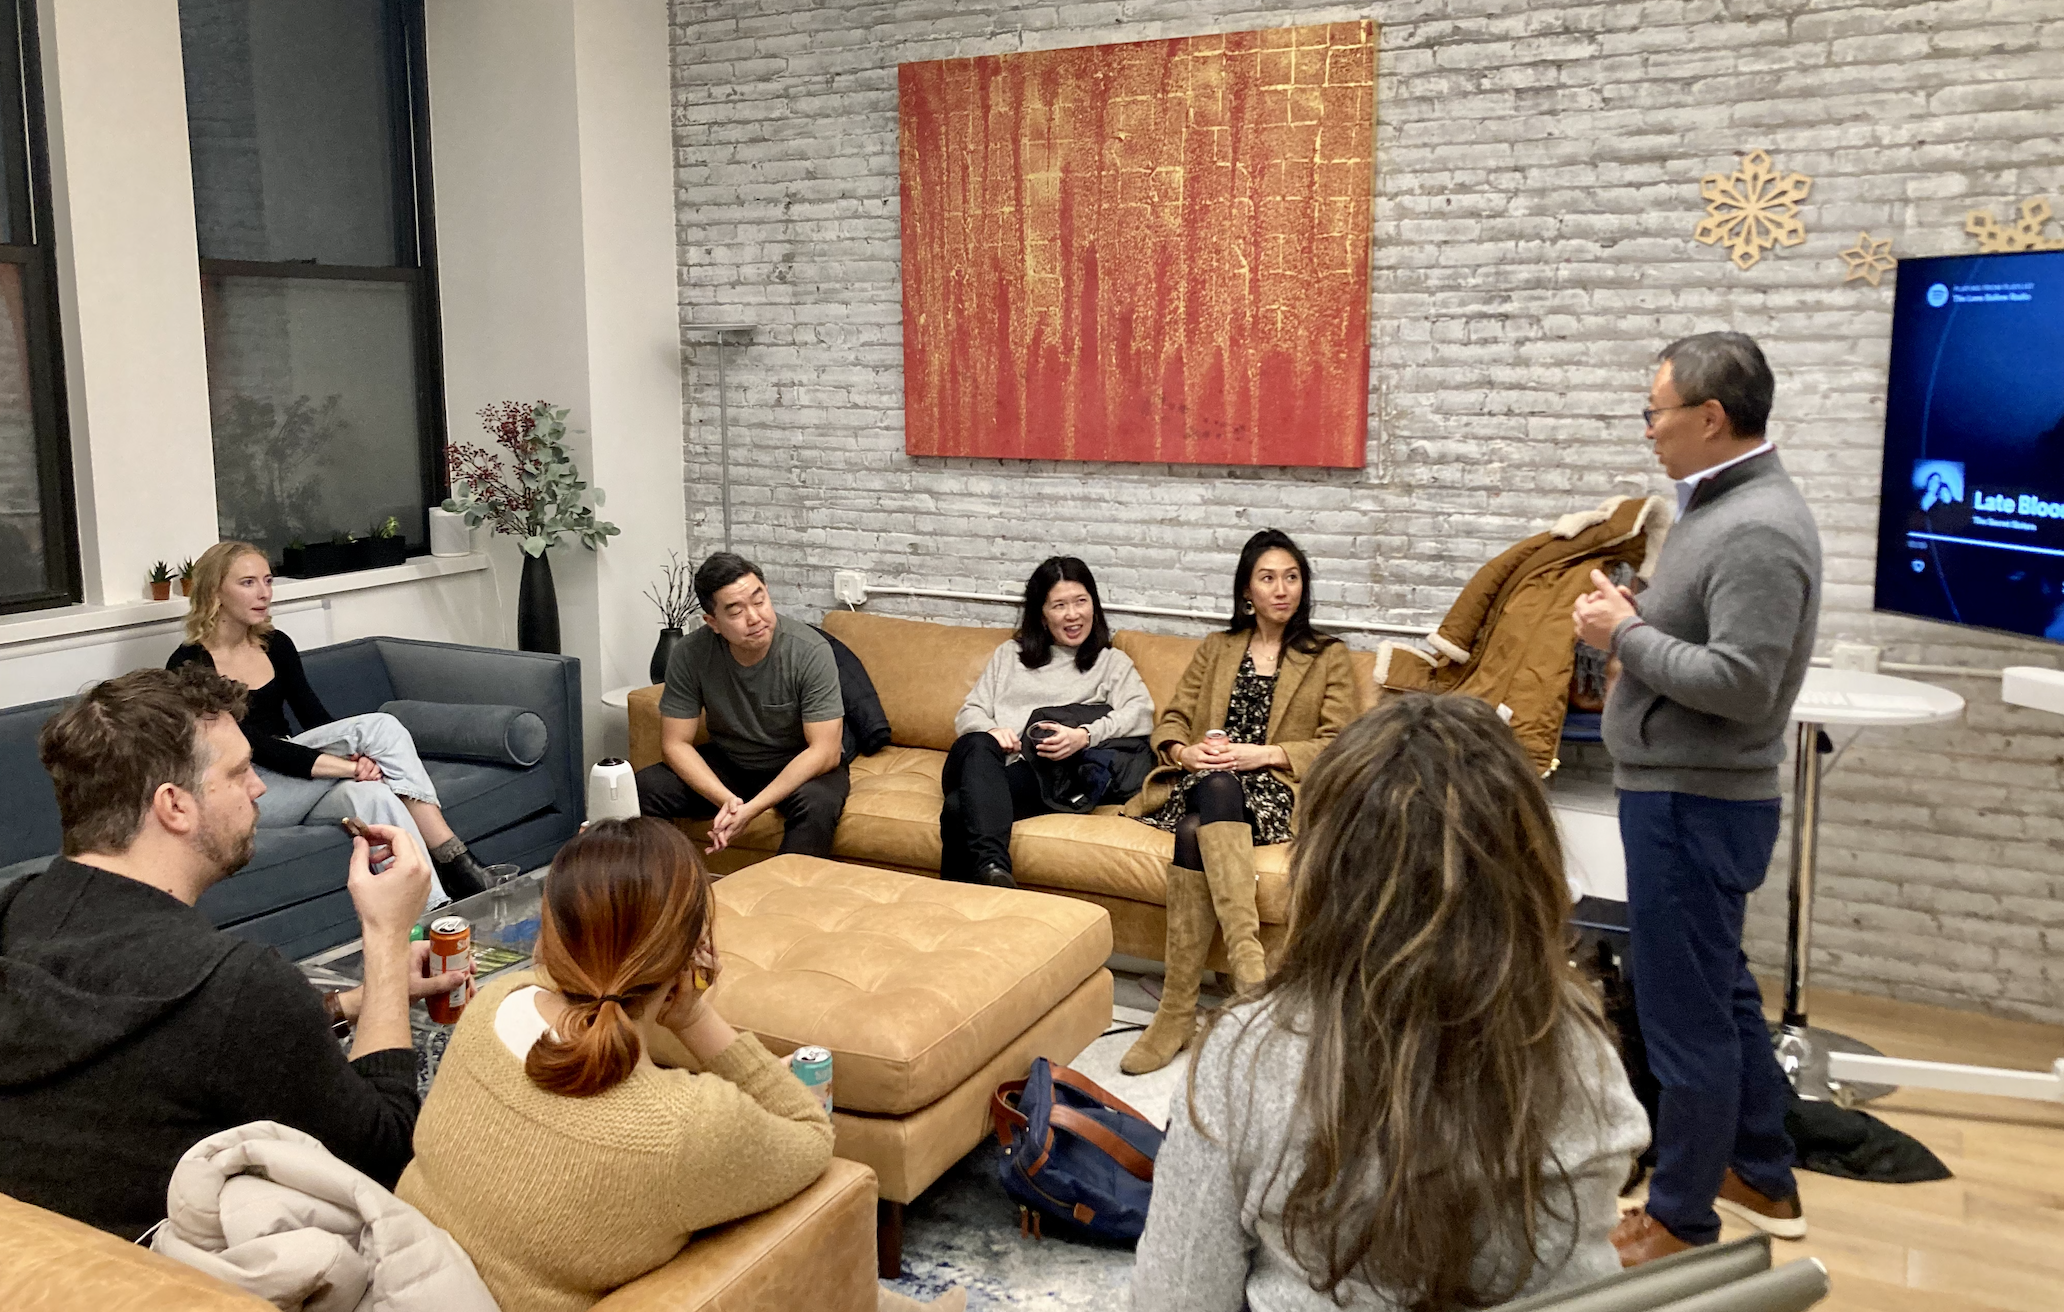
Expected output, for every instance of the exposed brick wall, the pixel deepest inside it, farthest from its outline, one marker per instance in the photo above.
(1537, 185)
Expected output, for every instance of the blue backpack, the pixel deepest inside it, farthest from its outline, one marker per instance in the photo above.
(1074, 1156)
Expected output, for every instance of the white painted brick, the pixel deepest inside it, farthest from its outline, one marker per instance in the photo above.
(1537, 184)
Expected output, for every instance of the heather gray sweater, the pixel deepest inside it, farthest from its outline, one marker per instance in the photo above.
(1706, 685)
(1214, 1241)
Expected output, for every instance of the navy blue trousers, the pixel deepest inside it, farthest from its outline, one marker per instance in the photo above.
(1691, 864)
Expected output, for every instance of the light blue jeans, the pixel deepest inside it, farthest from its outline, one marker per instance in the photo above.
(289, 801)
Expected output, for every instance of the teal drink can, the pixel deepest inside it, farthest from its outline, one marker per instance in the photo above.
(813, 1067)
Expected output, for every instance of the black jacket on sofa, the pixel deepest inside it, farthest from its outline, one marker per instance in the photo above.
(131, 1029)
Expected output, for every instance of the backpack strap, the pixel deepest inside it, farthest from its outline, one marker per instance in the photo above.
(1006, 1117)
(1132, 1159)
(1076, 1080)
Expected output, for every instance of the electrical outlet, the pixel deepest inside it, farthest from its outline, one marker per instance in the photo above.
(1855, 656)
(849, 586)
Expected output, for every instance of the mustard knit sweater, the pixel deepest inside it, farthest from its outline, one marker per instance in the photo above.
(560, 1200)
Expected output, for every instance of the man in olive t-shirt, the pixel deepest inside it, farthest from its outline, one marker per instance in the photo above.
(769, 692)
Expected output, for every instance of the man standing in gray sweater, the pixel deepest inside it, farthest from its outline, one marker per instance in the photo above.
(1710, 659)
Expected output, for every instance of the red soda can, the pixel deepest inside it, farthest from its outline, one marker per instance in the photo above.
(451, 948)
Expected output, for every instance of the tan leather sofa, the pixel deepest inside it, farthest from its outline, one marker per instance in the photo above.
(816, 1250)
(922, 672)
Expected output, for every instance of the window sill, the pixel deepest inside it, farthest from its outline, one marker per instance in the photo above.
(67, 621)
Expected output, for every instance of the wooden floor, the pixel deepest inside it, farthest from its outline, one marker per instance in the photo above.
(1989, 1240)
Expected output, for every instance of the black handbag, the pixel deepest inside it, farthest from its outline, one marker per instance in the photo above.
(1111, 771)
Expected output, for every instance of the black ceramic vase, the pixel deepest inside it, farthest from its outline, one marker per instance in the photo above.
(537, 607)
(661, 653)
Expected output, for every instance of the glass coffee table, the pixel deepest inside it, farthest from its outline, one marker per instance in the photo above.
(505, 928)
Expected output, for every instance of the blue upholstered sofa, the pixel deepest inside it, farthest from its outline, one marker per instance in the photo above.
(292, 893)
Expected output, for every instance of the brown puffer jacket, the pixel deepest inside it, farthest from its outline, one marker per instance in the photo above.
(1507, 639)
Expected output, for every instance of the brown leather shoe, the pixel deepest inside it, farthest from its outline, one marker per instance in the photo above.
(1640, 1238)
(1783, 1217)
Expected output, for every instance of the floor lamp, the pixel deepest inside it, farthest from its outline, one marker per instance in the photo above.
(722, 334)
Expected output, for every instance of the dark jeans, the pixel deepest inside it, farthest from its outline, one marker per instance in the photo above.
(810, 813)
(984, 797)
(1691, 864)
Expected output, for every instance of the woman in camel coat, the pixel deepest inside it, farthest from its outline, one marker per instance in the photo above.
(1254, 710)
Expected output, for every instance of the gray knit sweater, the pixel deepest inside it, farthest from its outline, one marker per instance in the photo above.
(1007, 693)
(1214, 1241)
(1707, 684)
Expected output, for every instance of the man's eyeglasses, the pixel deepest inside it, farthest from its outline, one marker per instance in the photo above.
(1648, 416)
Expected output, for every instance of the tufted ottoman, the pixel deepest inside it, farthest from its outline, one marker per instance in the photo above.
(928, 994)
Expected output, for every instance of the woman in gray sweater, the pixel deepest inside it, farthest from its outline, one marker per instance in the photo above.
(1423, 1109)
(1062, 656)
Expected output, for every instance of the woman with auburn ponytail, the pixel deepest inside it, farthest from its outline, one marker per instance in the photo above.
(1422, 1110)
(552, 1147)
(564, 1160)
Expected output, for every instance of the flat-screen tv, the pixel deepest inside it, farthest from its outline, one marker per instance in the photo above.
(1971, 510)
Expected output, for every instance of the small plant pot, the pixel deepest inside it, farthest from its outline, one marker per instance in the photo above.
(382, 552)
(161, 591)
(186, 587)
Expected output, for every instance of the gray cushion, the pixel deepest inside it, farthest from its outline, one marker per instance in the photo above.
(493, 735)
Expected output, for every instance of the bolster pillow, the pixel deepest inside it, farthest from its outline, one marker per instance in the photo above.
(496, 735)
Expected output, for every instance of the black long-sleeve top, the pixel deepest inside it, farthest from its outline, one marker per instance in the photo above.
(131, 1029)
(265, 720)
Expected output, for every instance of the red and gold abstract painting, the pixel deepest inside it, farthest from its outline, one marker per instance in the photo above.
(1156, 251)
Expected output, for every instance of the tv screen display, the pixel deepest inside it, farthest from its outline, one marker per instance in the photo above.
(1971, 509)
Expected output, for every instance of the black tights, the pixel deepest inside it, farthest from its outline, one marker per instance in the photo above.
(1214, 799)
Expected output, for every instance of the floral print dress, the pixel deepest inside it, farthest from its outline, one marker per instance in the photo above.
(1269, 799)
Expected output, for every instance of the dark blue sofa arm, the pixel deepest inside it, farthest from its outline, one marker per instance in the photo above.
(547, 684)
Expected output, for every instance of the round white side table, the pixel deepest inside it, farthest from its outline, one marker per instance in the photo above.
(1855, 699)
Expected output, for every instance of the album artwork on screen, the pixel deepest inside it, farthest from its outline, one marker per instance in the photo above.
(1971, 511)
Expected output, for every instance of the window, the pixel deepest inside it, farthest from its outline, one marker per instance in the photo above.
(307, 122)
(39, 544)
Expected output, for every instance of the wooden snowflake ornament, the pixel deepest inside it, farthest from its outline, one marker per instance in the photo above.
(2024, 234)
(1869, 259)
(1752, 209)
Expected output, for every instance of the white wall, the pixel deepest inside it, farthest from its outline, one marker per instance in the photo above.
(129, 288)
(555, 229)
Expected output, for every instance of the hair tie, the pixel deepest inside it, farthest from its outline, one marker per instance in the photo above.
(618, 998)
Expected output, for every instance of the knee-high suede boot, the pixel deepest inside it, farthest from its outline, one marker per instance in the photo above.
(1190, 922)
(1228, 849)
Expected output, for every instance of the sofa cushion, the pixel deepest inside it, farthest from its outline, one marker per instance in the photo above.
(492, 735)
(914, 984)
(922, 671)
(32, 829)
(1160, 659)
(290, 866)
(53, 1264)
(480, 799)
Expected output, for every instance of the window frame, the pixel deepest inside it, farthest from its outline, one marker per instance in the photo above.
(26, 159)
(415, 241)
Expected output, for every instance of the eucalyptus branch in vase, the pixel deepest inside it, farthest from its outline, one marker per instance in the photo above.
(526, 484)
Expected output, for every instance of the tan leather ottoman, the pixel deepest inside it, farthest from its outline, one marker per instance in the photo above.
(928, 994)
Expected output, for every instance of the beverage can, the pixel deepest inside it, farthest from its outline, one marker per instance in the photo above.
(1218, 734)
(813, 1067)
(451, 948)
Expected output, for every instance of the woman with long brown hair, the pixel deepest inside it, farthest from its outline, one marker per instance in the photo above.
(1423, 1109)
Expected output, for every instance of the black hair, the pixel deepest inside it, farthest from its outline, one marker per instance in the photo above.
(1728, 368)
(1035, 641)
(1298, 634)
(720, 571)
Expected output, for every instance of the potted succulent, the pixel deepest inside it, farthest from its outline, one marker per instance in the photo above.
(160, 581)
(316, 559)
(186, 577)
(674, 596)
(540, 500)
(386, 545)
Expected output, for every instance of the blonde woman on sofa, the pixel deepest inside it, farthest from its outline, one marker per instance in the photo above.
(1062, 656)
(362, 765)
(1258, 704)
(1423, 1108)
(564, 1160)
